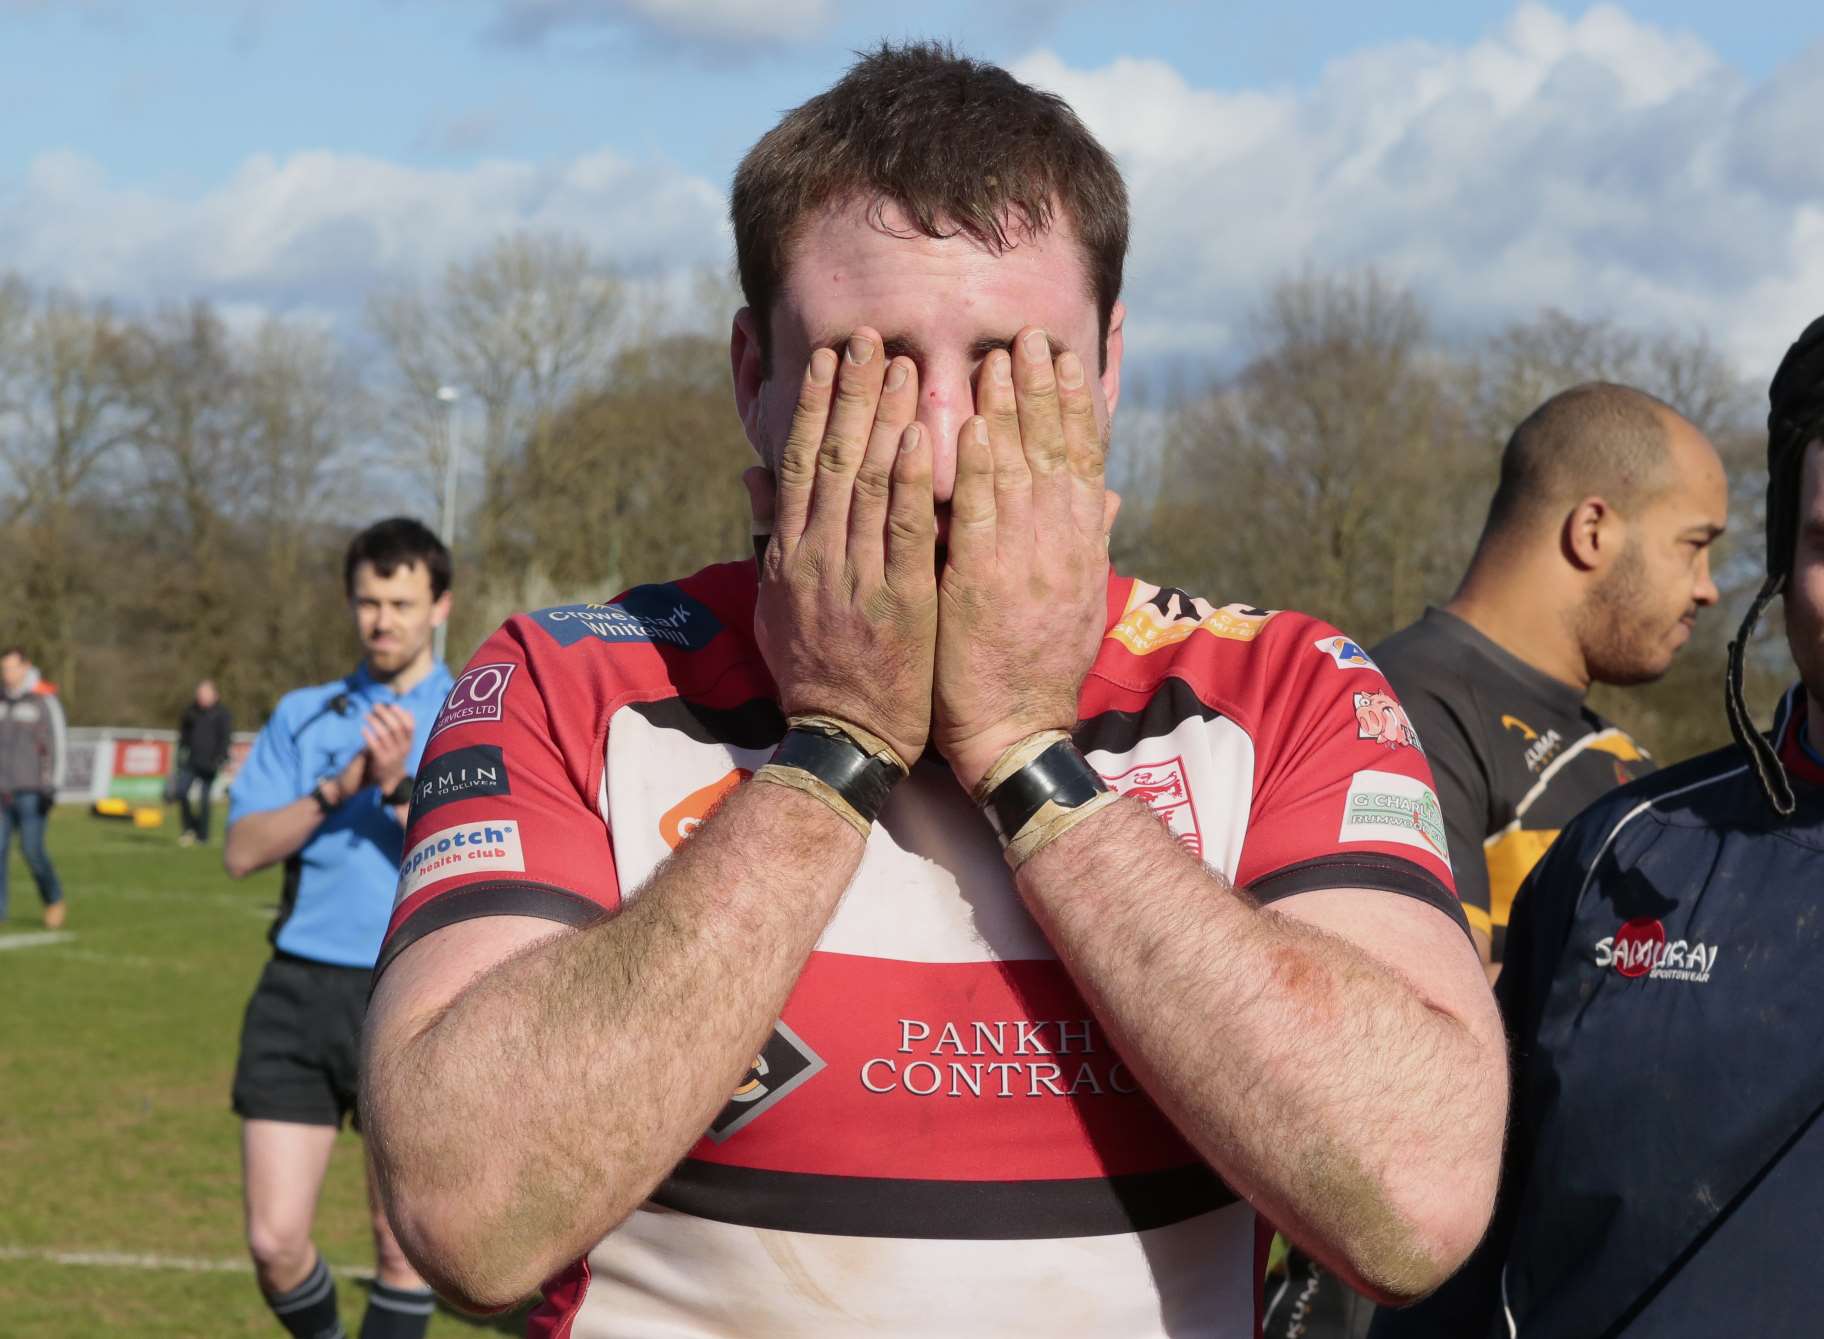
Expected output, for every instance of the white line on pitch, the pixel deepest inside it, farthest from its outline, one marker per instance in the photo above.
(185, 1264)
(36, 939)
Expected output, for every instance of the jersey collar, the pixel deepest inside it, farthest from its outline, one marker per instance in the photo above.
(1796, 741)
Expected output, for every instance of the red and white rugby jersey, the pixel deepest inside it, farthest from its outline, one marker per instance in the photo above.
(937, 1138)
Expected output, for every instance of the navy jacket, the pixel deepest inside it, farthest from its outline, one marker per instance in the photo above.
(1664, 997)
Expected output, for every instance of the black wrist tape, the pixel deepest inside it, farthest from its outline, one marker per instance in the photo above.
(1059, 775)
(863, 781)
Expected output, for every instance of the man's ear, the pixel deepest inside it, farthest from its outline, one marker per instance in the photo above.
(1593, 535)
(1111, 361)
(744, 361)
(440, 610)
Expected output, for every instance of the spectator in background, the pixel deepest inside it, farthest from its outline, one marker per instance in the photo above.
(202, 748)
(1591, 567)
(31, 763)
(324, 791)
(1666, 1162)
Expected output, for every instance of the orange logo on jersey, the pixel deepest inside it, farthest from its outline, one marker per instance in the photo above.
(1161, 616)
(1515, 723)
(687, 815)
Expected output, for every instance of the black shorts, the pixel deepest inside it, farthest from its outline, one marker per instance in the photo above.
(301, 1043)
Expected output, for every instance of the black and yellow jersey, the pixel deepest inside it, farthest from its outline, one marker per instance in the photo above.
(1516, 754)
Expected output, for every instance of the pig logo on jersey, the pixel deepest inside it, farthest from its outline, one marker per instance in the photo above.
(476, 696)
(785, 1064)
(687, 815)
(1163, 788)
(1379, 717)
(1345, 653)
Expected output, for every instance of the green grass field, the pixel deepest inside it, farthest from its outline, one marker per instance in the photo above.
(115, 1133)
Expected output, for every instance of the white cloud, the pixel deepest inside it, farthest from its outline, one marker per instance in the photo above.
(717, 22)
(317, 231)
(1598, 164)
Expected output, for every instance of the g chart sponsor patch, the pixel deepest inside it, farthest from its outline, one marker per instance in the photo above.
(662, 615)
(1393, 807)
(468, 848)
(476, 696)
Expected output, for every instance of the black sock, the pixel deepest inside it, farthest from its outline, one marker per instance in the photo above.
(397, 1313)
(309, 1310)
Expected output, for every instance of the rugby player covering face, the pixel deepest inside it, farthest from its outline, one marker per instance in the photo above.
(929, 394)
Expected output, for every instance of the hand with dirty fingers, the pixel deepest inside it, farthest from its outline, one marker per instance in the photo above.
(1023, 595)
(847, 613)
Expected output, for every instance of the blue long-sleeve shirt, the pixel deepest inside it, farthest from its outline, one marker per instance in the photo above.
(339, 886)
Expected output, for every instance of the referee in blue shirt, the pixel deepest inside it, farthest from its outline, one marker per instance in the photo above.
(324, 793)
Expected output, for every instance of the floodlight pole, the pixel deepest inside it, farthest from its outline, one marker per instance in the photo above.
(447, 397)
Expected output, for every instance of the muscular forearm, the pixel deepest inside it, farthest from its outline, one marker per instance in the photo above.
(522, 1123)
(1317, 1081)
(258, 840)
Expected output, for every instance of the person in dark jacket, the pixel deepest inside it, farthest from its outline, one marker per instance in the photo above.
(31, 763)
(1665, 1170)
(203, 737)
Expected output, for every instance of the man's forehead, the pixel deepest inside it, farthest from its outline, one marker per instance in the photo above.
(407, 578)
(854, 264)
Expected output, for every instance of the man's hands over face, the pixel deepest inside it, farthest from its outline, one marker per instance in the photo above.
(847, 616)
(853, 617)
(1022, 600)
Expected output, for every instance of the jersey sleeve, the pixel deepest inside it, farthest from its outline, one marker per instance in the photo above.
(506, 818)
(1343, 797)
(1462, 787)
(268, 778)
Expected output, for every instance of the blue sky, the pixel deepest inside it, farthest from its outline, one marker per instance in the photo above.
(1654, 162)
(174, 94)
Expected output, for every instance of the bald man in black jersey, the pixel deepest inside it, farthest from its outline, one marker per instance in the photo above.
(1591, 569)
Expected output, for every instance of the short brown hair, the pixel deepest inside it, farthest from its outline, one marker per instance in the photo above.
(961, 146)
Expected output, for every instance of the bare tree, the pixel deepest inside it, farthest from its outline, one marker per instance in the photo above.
(1329, 474)
(64, 414)
(518, 330)
(633, 483)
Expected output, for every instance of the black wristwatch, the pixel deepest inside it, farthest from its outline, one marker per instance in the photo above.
(323, 804)
(401, 793)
